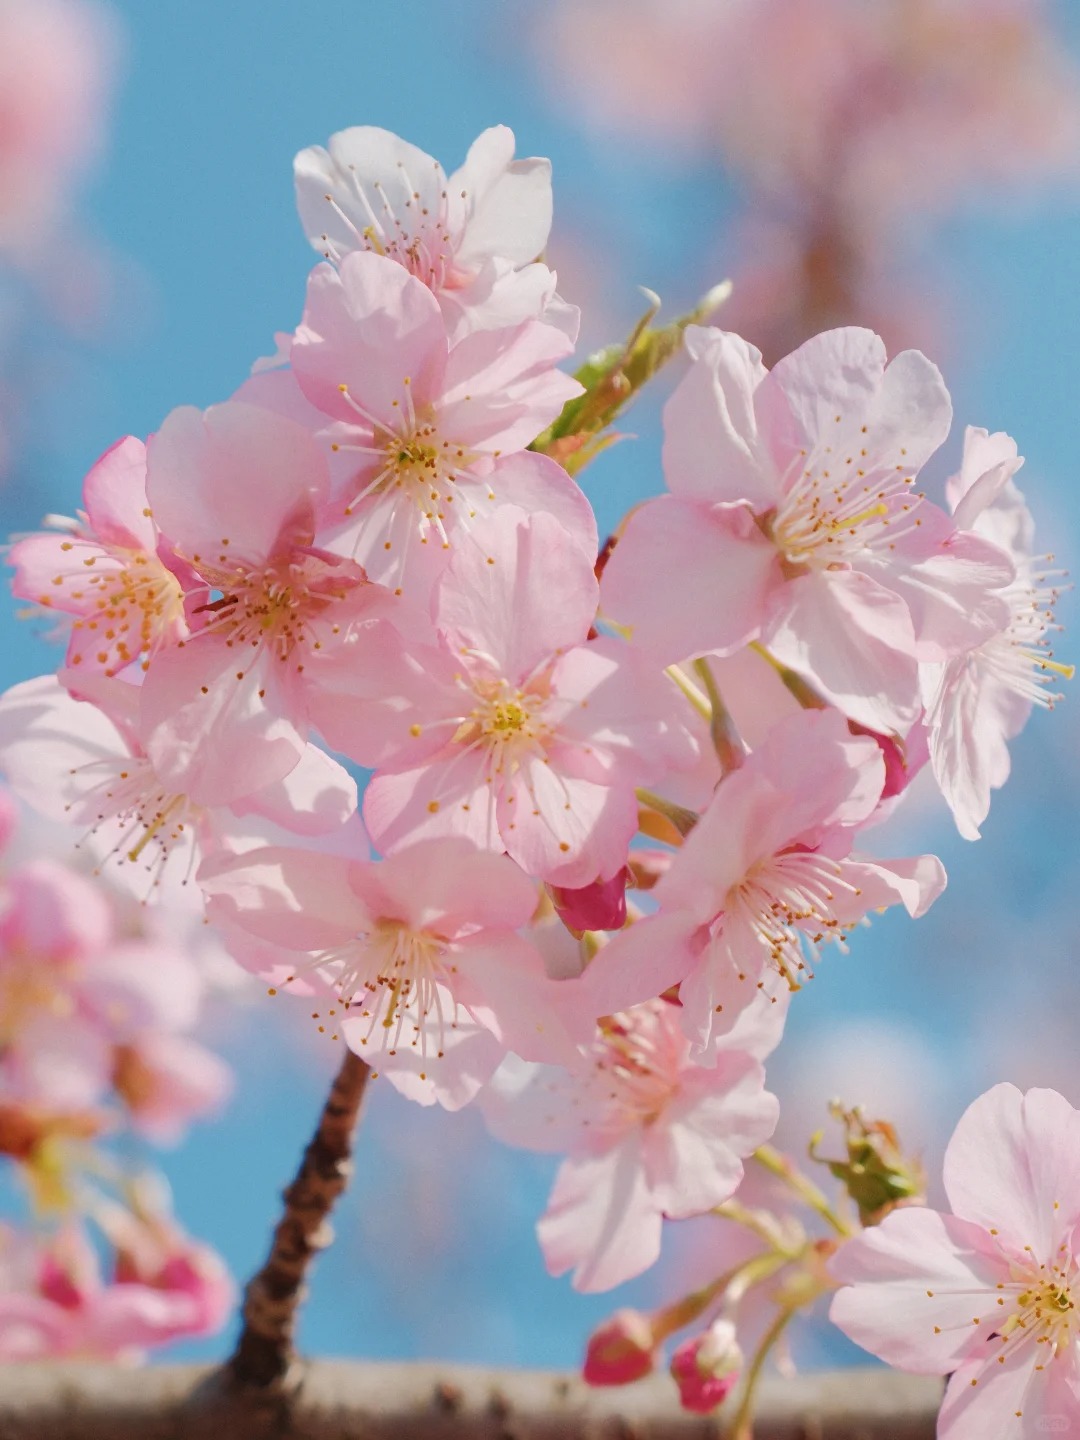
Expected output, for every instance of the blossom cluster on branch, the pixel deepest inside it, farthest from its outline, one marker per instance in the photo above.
(623, 799)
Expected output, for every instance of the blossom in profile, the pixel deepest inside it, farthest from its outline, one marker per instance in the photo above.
(980, 699)
(105, 570)
(988, 1292)
(473, 239)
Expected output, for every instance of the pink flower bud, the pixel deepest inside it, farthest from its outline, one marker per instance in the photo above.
(621, 1350)
(599, 906)
(707, 1367)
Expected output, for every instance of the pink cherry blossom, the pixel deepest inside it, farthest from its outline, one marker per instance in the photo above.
(792, 520)
(431, 431)
(473, 239)
(55, 1302)
(648, 1134)
(988, 1293)
(428, 980)
(237, 490)
(105, 569)
(83, 761)
(72, 990)
(765, 879)
(521, 733)
(980, 699)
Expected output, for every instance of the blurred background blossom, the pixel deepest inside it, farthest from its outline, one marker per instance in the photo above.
(909, 164)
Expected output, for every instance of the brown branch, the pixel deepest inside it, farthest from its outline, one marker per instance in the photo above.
(264, 1353)
(341, 1400)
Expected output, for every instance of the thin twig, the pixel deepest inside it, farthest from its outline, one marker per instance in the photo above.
(264, 1353)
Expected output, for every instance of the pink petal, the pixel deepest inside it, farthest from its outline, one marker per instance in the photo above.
(218, 732)
(449, 886)
(300, 899)
(368, 325)
(853, 641)
(694, 1154)
(914, 1286)
(501, 388)
(601, 1220)
(114, 494)
(562, 829)
(1013, 1165)
(712, 451)
(688, 578)
(232, 481)
(519, 594)
(511, 202)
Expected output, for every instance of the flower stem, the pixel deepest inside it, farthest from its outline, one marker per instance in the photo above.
(780, 1166)
(743, 1425)
(727, 742)
(264, 1352)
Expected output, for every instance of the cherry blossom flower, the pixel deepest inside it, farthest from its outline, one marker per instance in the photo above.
(432, 431)
(648, 1134)
(520, 733)
(105, 569)
(988, 1293)
(764, 880)
(55, 1303)
(237, 490)
(426, 977)
(72, 990)
(83, 761)
(980, 699)
(472, 239)
(792, 520)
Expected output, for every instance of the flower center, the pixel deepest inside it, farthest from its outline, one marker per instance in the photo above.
(1020, 658)
(395, 978)
(415, 465)
(131, 602)
(275, 605)
(1044, 1310)
(787, 902)
(841, 505)
(149, 820)
(638, 1054)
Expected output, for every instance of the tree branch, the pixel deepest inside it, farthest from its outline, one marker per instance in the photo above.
(344, 1400)
(264, 1352)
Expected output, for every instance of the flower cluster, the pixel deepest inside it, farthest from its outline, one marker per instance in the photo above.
(99, 1002)
(371, 549)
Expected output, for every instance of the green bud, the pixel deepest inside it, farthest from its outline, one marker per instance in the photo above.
(876, 1173)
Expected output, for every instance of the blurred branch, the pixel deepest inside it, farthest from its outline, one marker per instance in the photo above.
(343, 1400)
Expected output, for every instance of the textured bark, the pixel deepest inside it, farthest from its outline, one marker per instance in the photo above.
(341, 1400)
(264, 1354)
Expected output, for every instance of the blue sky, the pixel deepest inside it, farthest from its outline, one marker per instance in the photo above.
(435, 1252)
